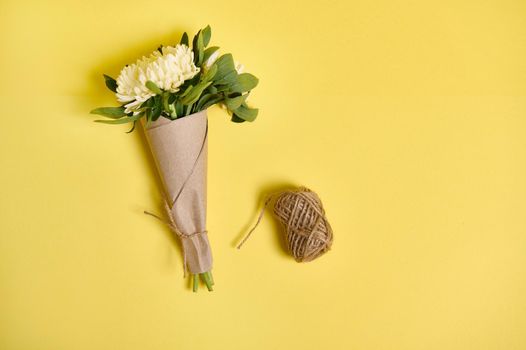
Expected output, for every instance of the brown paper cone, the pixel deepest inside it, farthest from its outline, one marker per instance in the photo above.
(179, 148)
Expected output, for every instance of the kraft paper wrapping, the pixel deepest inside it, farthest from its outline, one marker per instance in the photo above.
(179, 148)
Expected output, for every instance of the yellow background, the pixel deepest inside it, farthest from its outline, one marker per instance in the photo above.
(407, 117)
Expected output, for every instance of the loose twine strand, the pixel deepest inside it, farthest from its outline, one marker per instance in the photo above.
(267, 201)
(308, 233)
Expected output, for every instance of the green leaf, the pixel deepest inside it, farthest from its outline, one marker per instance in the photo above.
(209, 52)
(121, 120)
(132, 128)
(235, 102)
(194, 40)
(207, 98)
(153, 87)
(194, 94)
(212, 101)
(198, 48)
(222, 88)
(212, 89)
(110, 83)
(202, 101)
(225, 65)
(179, 108)
(148, 116)
(184, 39)
(245, 82)
(110, 112)
(210, 73)
(236, 119)
(157, 108)
(246, 113)
(156, 113)
(187, 91)
(229, 78)
(207, 34)
(149, 102)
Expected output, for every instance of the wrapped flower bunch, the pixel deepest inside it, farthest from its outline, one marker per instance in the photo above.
(169, 92)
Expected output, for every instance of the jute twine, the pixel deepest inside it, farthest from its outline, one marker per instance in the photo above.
(173, 227)
(308, 234)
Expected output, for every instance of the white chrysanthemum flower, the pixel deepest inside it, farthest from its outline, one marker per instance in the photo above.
(131, 86)
(168, 70)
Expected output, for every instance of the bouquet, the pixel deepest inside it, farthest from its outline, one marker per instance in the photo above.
(169, 92)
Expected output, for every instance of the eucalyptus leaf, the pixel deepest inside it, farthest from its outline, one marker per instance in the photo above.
(235, 103)
(110, 112)
(184, 39)
(212, 101)
(121, 120)
(110, 83)
(225, 65)
(246, 113)
(194, 94)
(149, 102)
(148, 116)
(228, 78)
(198, 48)
(156, 112)
(210, 73)
(244, 82)
(212, 89)
(194, 40)
(204, 99)
(132, 128)
(236, 119)
(223, 88)
(209, 52)
(179, 108)
(207, 34)
(187, 91)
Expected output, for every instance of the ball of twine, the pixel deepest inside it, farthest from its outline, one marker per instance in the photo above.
(308, 234)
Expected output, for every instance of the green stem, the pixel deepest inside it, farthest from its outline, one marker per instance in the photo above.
(211, 277)
(206, 279)
(196, 282)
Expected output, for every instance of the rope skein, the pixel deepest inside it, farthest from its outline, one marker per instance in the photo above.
(308, 234)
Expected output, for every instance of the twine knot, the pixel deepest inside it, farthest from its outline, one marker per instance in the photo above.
(173, 227)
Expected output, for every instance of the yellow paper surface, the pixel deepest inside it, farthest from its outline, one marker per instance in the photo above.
(407, 117)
